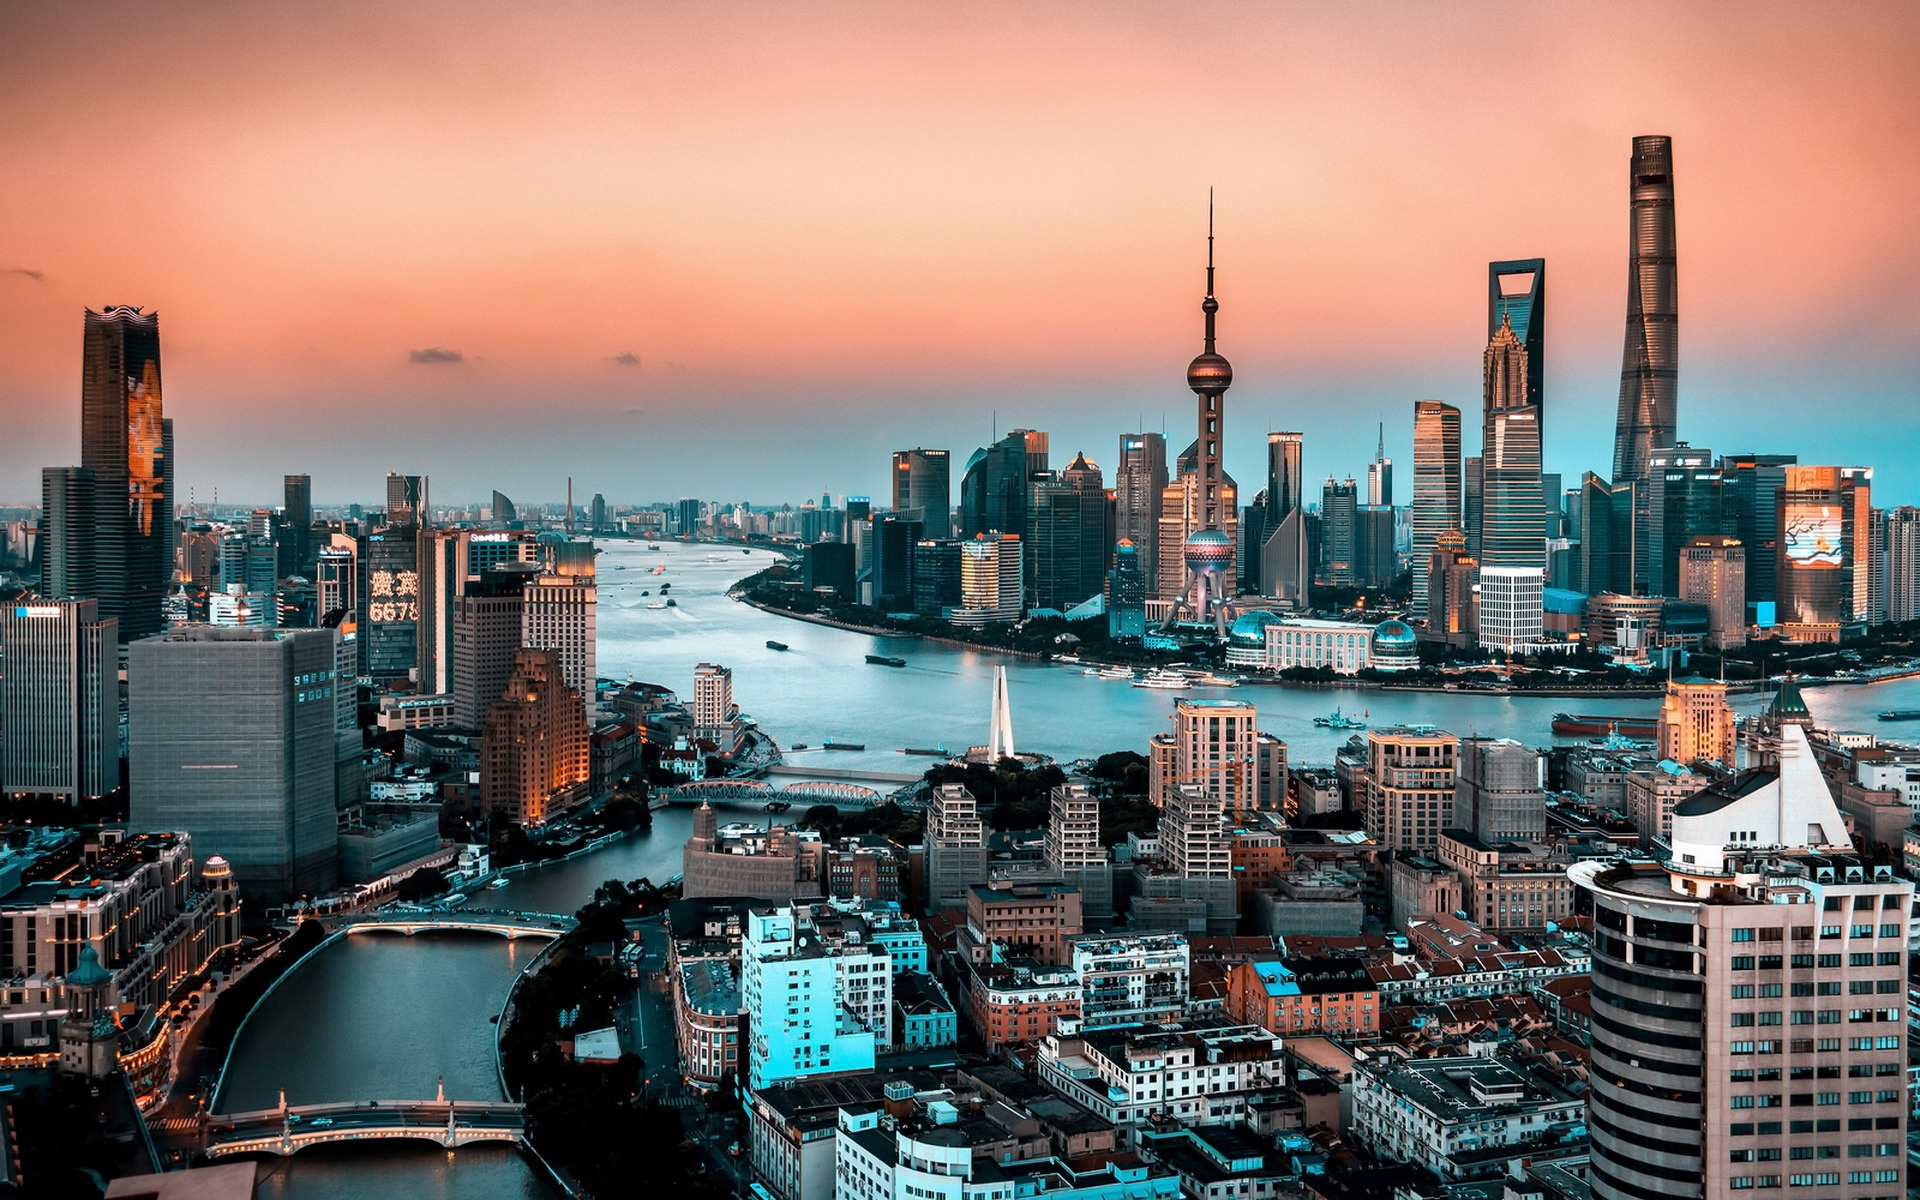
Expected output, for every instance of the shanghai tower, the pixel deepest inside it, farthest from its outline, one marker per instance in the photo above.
(1650, 365)
(123, 442)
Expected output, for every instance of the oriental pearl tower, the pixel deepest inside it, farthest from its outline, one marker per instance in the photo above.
(1205, 597)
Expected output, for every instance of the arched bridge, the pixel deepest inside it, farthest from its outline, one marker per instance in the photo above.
(756, 793)
(506, 923)
(286, 1131)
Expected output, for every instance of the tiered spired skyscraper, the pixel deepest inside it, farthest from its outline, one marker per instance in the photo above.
(1650, 365)
(1209, 550)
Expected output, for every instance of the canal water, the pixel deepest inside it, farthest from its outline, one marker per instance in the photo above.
(378, 1016)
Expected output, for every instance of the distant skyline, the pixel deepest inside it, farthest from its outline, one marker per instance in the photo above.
(746, 252)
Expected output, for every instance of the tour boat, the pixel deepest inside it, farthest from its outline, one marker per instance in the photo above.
(1163, 679)
(1115, 673)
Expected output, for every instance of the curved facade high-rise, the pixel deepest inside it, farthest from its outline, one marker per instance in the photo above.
(1650, 364)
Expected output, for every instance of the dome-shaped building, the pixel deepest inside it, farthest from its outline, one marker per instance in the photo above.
(1394, 647)
(1247, 638)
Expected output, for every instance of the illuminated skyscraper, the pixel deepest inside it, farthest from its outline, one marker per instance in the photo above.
(1512, 512)
(922, 489)
(1713, 573)
(1436, 485)
(1753, 500)
(534, 752)
(1517, 296)
(1823, 567)
(123, 442)
(1067, 536)
(1686, 499)
(1209, 547)
(1650, 365)
(1284, 574)
(1138, 482)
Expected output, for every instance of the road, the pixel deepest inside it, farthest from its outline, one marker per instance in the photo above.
(647, 1028)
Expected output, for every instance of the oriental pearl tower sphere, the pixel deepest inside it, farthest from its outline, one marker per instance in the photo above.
(1208, 551)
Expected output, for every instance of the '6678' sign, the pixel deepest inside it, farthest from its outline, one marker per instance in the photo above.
(393, 596)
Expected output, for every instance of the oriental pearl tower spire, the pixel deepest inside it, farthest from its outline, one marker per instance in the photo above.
(1209, 550)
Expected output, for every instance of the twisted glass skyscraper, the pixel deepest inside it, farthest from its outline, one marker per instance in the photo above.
(1650, 365)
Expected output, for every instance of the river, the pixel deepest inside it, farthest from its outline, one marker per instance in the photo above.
(378, 1016)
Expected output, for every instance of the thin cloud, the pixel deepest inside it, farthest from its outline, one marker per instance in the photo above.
(29, 272)
(627, 358)
(434, 354)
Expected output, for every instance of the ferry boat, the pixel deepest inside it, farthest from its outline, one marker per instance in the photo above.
(1899, 714)
(494, 885)
(1072, 659)
(884, 660)
(1163, 679)
(1115, 673)
(1211, 680)
(1590, 726)
(1339, 720)
(772, 645)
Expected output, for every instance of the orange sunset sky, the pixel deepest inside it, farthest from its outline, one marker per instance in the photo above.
(742, 251)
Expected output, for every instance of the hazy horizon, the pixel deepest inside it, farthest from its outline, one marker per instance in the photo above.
(699, 251)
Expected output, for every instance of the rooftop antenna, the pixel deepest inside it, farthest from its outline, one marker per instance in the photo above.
(569, 506)
(1380, 451)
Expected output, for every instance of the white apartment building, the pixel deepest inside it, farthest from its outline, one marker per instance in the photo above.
(1200, 1073)
(1143, 979)
(1433, 1112)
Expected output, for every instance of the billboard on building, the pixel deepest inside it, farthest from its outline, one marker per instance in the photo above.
(1815, 535)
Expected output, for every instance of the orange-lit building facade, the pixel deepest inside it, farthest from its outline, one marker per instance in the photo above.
(534, 751)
